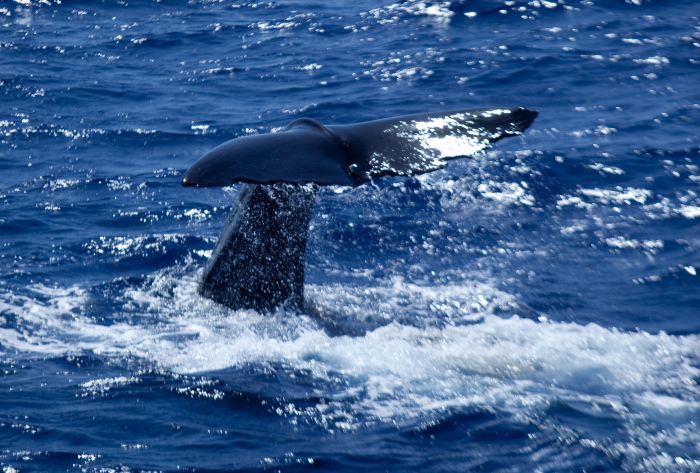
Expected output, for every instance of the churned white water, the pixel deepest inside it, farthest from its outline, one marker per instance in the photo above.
(394, 372)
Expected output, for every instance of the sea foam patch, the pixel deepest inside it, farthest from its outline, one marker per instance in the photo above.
(394, 372)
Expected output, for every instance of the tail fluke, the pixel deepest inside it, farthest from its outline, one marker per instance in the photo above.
(349, 155)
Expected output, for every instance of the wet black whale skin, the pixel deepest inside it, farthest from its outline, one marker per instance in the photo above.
(347, 155)
(258, 261)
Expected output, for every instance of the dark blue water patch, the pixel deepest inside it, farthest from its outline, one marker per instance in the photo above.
(458, 432)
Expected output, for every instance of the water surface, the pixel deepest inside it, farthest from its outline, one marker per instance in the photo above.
(535, 308)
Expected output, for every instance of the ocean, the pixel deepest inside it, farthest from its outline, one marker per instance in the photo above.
(534, 308)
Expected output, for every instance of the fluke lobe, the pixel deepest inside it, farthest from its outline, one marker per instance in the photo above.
(258, 262)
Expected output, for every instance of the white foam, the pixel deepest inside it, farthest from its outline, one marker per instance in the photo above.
(103, 385)
(129, 245)
(464, 356)
(619, 195)
(280, 25)
(602, 168)
(689, 211)
(392, 13)
(624, 243)
(654, 61)
(310, 67)
(507, 193)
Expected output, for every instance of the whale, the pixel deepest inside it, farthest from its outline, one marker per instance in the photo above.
(258, 260)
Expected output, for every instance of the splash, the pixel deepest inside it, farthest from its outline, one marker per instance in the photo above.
(394, 372)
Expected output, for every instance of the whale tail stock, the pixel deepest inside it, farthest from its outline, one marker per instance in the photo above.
(258, 262)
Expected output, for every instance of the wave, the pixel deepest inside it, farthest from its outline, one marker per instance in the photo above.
(393, 371)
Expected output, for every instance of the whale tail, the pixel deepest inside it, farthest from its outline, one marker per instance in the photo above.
(350, 155)
(258, 262)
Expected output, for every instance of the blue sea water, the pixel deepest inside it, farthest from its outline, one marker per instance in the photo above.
(534, 308)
